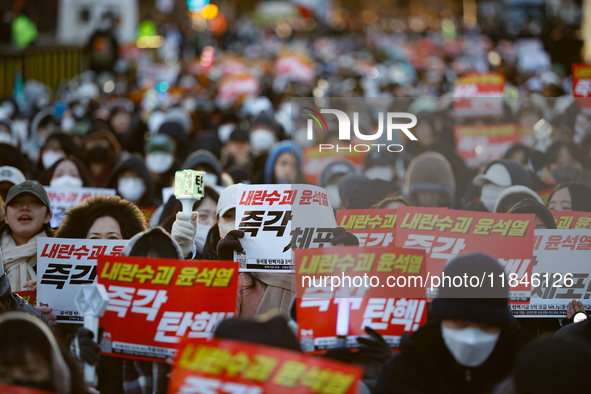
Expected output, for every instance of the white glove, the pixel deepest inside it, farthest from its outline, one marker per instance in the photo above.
(184, 231)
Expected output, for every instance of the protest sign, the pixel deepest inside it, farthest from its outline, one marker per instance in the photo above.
(276, 218)
(478, 94)
(572, 220)
(561, 273)
(225, 366)
(294, 65)
(372, 227)
(28, 295)
(315, 161)
(386, 291)
(63, 265)
(157, 72)
(581, 76)
(235, 85)
(62, 199)
(491, 141)
(168, 299)
(449, 233)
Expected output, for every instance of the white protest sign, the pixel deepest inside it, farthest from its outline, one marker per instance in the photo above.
(265, 214)
(561, 273)
(63, 264)
(62, 199)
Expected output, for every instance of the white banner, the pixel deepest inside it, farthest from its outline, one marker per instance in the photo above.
(265, 214)
(561, 273)
(62, 199)
(63, 264)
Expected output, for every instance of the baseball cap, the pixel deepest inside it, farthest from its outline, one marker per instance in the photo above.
(30, 187)
(497, 174)
(340, 167)
(227, 200)
(160, 141)
(12, 175)
(239, 135)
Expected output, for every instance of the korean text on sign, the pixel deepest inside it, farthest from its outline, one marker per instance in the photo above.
(224, 366)
(167, 298)
(63, 265)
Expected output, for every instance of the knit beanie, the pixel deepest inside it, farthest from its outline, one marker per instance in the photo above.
(430, 171)
(480, 304)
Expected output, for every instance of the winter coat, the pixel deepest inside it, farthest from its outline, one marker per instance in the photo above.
(425, 365)
(77, 221)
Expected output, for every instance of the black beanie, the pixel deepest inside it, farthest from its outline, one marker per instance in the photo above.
(273, 332)
(480, 304)
(553, 365)
(537, 208)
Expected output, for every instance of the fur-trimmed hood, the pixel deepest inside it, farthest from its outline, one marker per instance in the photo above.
(77, 221)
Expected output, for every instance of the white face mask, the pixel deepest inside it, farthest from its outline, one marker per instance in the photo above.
(224, 132)
(202, 231)
(333, 196)
(68, 123)
(131, 188)
(159, 162)
(5, 138)
(384, 173)
(489, 195)
(262, 140)
(225, 228)
(50, 157)
(210, 179)
(470, 346)
(66, 181)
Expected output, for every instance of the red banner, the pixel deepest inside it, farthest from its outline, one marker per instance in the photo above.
(386, 291)
(572, 220)
(479, 94)
(373, 227)
(484, 142)
(167, 299)
(224, 366)
(30, 296)
(507, 237)
(581, 77)
(9, 389)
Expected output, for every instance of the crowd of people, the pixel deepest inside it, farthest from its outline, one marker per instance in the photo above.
(124, 129)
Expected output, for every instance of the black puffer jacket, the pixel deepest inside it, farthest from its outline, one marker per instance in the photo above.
(424, 365)
(11, 302)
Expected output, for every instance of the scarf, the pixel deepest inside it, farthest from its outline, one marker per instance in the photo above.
(19, 260)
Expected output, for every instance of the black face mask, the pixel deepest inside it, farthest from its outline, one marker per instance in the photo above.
(45, 385)
(98, 154)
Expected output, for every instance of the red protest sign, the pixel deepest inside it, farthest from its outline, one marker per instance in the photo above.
(168, 299)
(581, 76)
(449, 233)
(572, 220)
(386, 292)
(488, 140)
(373, 227)
(315, 161)
(9, 389)
(225, 366)
(30, 296)
(479, 94)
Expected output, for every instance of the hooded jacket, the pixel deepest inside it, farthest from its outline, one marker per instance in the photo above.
(204, 157)
(135, 164)
(278, 149)
(60, 374)
(76, 222)
(430, 171)
(424, 365)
